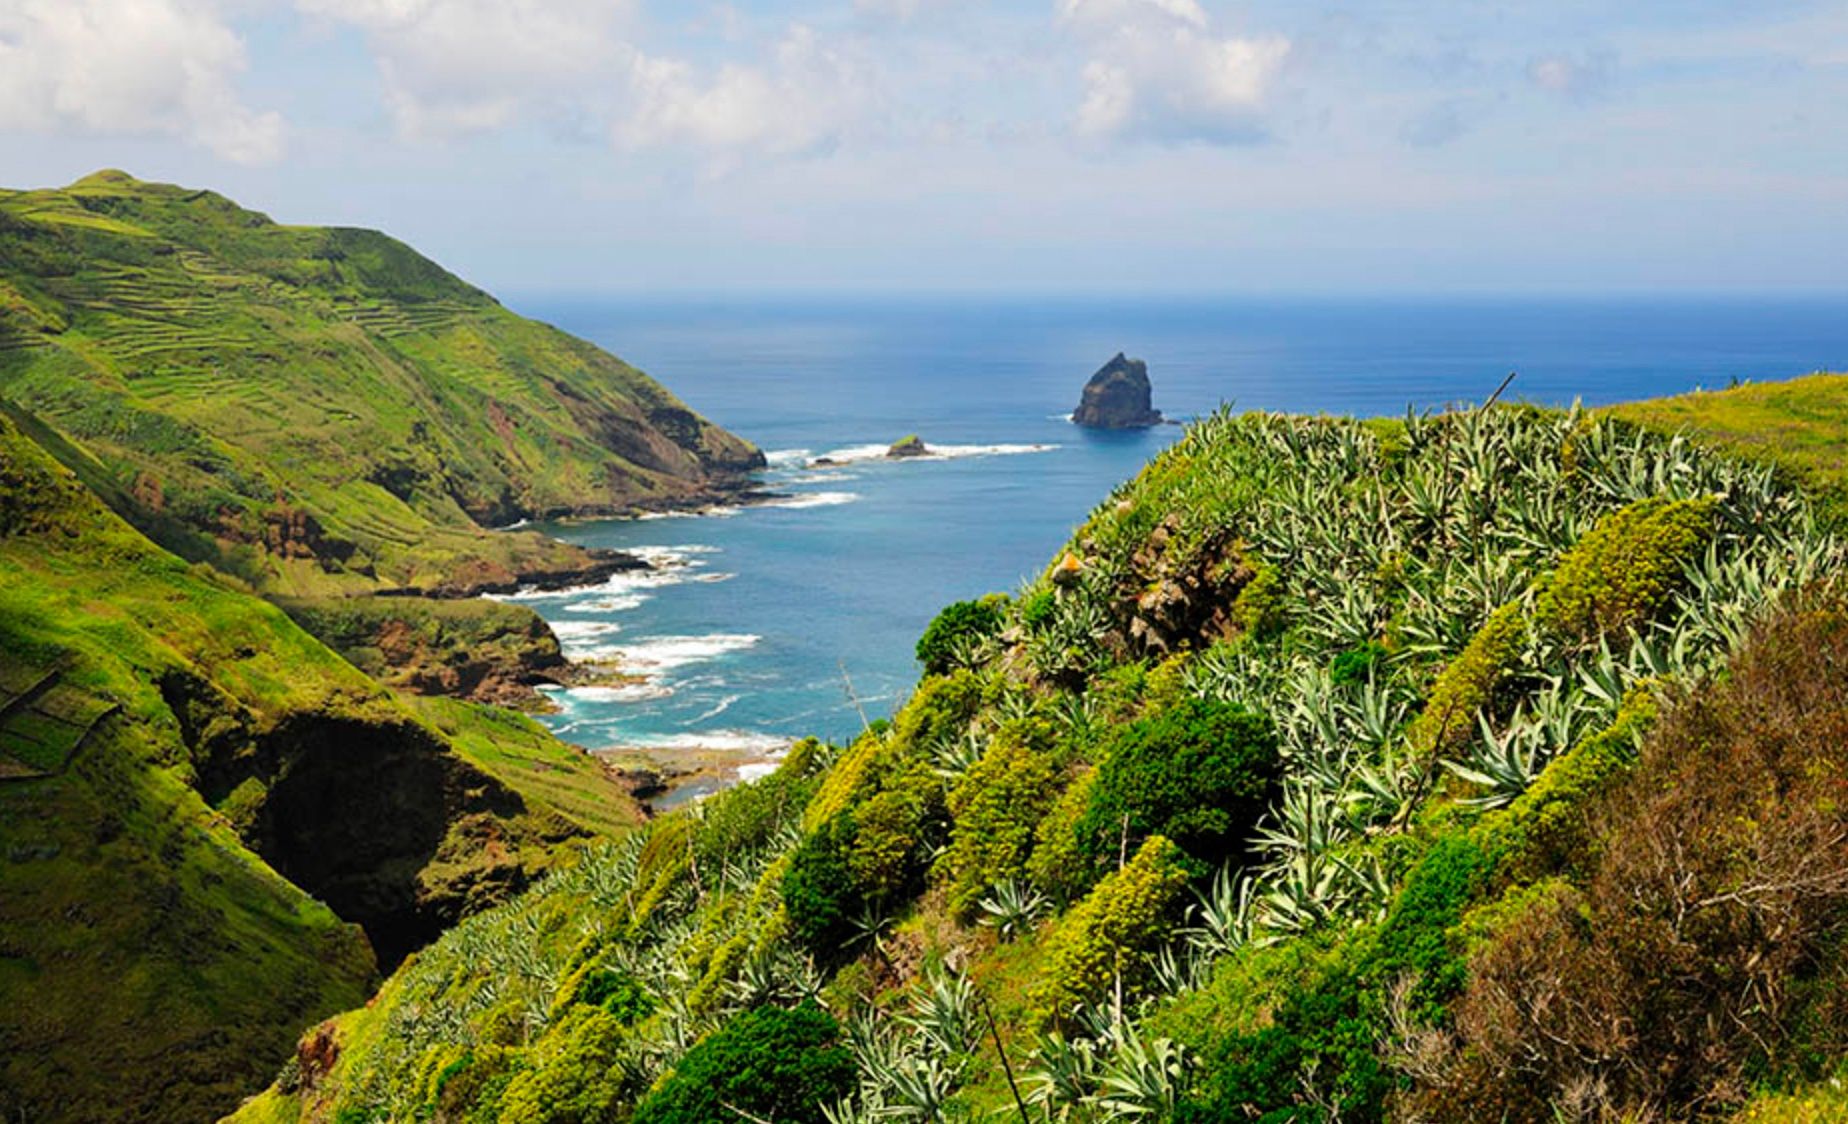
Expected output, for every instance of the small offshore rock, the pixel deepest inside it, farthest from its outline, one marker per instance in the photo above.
(1118, 397)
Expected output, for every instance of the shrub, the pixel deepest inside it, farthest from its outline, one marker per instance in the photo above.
(1058, 865)
(1322, 1042)
(894, 831)
(1355, 664)
(1624, 568)
(618, 993)
(953, 629)
(1467, 684)
(1702, 949)
(583, 1080)
(1200, 773)
(1258, 609)
(1038, 607)
(940, 708)
(819, 890)
(1112, 930)
(995, 809)
(747, 817)
(1545, 829)
(769, 1063)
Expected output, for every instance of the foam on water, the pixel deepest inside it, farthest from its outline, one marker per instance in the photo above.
(622, 693)
(742, 742)
(861, 454)
(813, 499)
(659, 654)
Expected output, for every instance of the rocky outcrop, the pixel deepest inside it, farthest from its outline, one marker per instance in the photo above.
(1118, 397)
(488, 651)
(906, 447)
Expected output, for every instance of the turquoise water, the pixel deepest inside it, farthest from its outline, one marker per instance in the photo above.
(760, 617)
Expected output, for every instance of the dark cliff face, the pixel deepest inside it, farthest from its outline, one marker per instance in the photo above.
(1117, 397)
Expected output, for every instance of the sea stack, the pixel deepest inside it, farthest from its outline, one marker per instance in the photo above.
(911, 446)
(1117, 397)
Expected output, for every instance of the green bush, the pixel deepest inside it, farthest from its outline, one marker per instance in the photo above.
(1467, 684)
(1258, 608)
(1624, 568)
(769, 1063)
(995, 809)
(1038, 607)
(956, 626)
(618, 993)
(1111, 931)
(746, 818)
(1058, 865)
(584, 1080)
(895, 830)
(1322, 1043)
(1545, 828)
(819, 889)
(1355, 664)
(1200, 773)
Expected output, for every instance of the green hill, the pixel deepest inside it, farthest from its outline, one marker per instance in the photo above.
(1479, 766)
(322, 410)
(209, 823)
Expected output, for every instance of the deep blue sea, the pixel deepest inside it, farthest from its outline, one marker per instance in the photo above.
(749, 635)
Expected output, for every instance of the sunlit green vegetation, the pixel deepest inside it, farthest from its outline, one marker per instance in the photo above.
(161, 735)
(1426, 689)
(320, 410)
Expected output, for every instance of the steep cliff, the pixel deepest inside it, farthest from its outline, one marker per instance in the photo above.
(212, 829)
(322, 410)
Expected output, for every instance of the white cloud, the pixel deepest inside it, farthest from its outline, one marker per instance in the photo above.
(453, 66)
(1569, 77)
(801, 99)
(130, 66)
(457, 66)
(1157, 70)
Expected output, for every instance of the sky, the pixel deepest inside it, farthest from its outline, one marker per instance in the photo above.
(1105, 147)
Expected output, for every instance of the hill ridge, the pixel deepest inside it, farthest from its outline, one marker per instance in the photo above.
(322, 409)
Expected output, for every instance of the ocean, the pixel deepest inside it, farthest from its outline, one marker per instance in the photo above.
(766, 624)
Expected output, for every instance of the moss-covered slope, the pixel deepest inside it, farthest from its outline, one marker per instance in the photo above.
(1479, 766)
(209, 822)
(322, 409)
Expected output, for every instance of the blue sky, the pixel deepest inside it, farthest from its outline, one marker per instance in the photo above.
(1091, 146)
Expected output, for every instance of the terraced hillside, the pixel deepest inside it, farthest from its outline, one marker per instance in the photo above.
(322, 410)
(1484, 766)
(212, 829)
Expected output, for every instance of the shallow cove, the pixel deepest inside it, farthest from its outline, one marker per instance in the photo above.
(743, 639)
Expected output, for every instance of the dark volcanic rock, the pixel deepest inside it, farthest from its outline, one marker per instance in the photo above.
(1117, 397)
(912, 446)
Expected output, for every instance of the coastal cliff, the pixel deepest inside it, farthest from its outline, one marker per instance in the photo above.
(322, 410)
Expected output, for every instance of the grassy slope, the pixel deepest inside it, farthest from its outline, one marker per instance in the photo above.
(1800, 425)
(321, 410)
(151, 965)
(1242, 563)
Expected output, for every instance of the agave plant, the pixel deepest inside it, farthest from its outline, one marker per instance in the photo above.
(1306, 822)
(1013, 908)
(943, 1014)
(1302, 894)
(1502, 765)
(954, 754)
(1142, 1078)
(1065, 1074)
(1179, 969)
(917, 1088)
